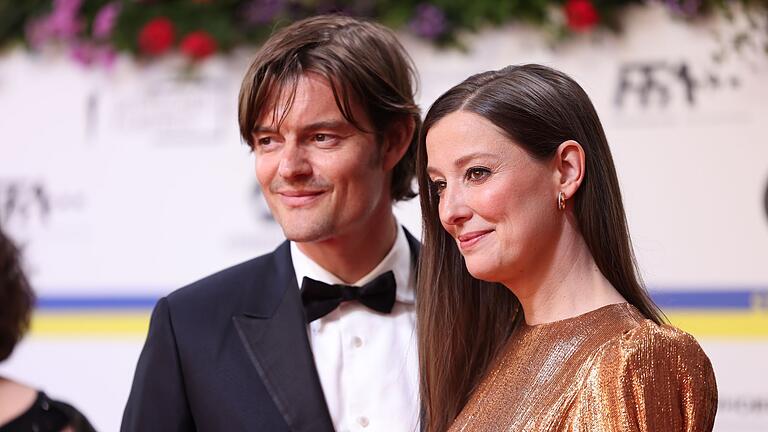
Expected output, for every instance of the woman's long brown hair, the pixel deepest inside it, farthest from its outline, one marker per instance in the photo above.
(464, 322)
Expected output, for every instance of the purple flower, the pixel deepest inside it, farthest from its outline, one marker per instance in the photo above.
(685, 8)
(429, 21)
(257, 12)
(62, 24)
(38, 33)
(66, 6)
(83, 53)
(87, 54)
(105, 20)
(63, 20)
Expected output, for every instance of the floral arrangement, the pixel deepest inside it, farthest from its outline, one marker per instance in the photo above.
(94, 31)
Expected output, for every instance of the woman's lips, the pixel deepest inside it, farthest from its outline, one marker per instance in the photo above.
(469, 239)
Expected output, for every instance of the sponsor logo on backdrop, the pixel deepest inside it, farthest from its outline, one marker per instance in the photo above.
(765, 200)
(28, 201)
(261, 232)
(24, 201)
(150, 108)
(744, 405)
(653, 84)
(260, 205)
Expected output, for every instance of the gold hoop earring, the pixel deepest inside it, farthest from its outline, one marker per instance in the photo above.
(560, 201)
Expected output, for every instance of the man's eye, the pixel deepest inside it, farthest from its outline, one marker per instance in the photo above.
(264, 141)
(321, 137)
(477, 174)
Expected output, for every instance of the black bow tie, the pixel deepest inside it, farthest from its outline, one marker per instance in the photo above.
(320, 299)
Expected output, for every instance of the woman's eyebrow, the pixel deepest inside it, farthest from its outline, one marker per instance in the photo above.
(460, 162)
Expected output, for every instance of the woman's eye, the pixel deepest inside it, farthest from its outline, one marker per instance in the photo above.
(477, 174)
(438, 186)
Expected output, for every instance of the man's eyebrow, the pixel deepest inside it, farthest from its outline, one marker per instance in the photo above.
(326, 124)
(262, 128)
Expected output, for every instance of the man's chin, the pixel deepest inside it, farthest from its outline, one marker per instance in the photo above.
(307, 234)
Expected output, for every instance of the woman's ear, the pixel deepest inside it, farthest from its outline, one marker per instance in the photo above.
(396, 141)
(569, 167)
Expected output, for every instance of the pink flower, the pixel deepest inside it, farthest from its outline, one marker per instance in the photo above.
(105, 20)
(61, 24)
(87, 54)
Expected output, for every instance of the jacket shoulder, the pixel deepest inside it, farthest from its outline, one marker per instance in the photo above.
(228, 289)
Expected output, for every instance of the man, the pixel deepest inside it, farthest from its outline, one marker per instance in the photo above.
(327, 108)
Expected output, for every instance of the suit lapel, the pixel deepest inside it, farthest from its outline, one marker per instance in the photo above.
(274, 334)
(415, 247)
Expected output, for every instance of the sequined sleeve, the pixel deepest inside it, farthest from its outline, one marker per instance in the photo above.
(653, 378)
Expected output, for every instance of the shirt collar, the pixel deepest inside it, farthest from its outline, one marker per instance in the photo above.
(398, 260)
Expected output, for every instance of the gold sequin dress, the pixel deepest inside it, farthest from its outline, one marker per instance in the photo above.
(607, 370)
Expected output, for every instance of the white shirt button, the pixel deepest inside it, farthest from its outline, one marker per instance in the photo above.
(357, 342)
(363, 421)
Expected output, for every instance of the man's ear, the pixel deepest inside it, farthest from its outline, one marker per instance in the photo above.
(396, 141)
(569, 164)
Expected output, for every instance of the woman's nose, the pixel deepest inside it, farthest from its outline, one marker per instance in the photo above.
(453, 207)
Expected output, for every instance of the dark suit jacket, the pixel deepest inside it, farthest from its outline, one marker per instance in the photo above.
(231, 353)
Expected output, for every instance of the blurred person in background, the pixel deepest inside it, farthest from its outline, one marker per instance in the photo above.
(532, 314)
(327, 108)
(23, 408)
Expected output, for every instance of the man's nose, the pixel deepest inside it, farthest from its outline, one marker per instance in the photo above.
(294, 161)
(453, 206)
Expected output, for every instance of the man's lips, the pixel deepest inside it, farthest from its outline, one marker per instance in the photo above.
(469, 239)
(294, 198)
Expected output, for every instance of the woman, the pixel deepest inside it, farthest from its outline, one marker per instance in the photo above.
(23, 408)
(532, 314)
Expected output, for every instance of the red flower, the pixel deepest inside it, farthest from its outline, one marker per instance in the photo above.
(198, 45)
(581, 15)
(156, 37)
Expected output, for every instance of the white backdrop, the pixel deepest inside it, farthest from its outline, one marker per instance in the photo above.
(132, 182)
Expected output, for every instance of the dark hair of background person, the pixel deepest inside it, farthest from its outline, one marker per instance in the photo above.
(16, 298)
(464, 322)
(364, 63)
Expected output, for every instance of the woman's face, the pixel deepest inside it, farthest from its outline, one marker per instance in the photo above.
(496, 201)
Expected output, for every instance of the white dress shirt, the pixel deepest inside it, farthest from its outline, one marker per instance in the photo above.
(367, 361)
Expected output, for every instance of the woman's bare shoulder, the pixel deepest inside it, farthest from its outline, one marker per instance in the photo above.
(15, 399)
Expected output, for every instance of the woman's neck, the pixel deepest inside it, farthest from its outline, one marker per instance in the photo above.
(567, 285)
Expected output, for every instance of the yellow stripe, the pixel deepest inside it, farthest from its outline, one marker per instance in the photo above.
(748, 324)
(122, 323)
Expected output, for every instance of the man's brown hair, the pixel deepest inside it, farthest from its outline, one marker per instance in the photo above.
(363, 62)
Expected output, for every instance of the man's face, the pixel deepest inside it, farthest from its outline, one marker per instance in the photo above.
(321, 176)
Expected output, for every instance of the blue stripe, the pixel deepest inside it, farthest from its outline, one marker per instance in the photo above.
(95, 302)
(666, 299)
(737, 299)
